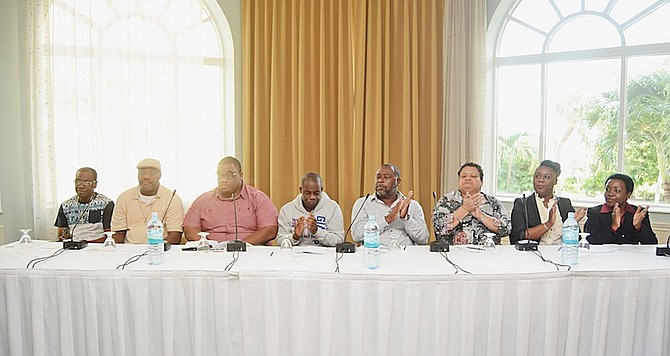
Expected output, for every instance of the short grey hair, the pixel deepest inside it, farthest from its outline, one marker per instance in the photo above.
(311, 177)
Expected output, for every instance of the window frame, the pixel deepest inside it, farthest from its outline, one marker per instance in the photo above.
(622, 54)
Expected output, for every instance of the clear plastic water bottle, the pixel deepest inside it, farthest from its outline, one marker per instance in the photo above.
(155, 239)
(371, 243)
(570, 240)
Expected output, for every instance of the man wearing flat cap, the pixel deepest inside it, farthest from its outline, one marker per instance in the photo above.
(134, 207)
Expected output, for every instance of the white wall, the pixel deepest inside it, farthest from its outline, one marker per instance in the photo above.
(15, 168)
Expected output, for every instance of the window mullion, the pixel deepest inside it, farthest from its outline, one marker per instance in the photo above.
(623, 113)
(543, 111)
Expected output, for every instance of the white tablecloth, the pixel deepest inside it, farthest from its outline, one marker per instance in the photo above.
(615, 302)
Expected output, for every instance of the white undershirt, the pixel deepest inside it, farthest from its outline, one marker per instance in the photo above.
(146, 199)
(553, 235)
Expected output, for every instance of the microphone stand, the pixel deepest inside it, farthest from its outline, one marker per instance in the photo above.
(526, 244)
(71, 244)
(236, 245)
(440, 244)
(350, 247)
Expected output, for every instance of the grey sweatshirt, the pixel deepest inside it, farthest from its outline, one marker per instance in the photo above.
(329, 221)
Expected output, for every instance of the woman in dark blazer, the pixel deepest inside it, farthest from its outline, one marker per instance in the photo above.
(542, 209)
(617, 221)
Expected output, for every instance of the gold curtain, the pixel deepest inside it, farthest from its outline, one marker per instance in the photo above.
(340, 87)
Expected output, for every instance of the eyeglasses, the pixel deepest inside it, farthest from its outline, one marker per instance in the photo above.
(227, 175)
(87, 183)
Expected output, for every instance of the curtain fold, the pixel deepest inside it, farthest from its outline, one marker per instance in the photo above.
(41, 125)
(340, 87)
(464, 88)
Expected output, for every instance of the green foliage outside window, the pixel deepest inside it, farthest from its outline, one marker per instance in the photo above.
(646, 148)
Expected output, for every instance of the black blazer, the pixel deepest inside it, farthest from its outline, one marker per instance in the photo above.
(599, 225)
(519, 217)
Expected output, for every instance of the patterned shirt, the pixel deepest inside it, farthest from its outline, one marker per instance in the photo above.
(469, 230)
(87, 221)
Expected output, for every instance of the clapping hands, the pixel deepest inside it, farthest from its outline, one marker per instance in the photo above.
(400, 209)
(639, 215)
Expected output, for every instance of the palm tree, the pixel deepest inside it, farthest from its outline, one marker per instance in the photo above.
(515, 151)
(649, 119)
(647, 131)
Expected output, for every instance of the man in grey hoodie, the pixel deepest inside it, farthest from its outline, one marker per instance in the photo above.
(312, 218)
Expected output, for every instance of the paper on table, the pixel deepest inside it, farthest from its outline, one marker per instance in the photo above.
(310, 249)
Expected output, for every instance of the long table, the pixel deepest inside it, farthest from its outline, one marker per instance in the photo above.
(616, 301)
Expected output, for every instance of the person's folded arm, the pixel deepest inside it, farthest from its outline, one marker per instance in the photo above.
(174, 237)
(119, 236)
(415, 224)
(262, 235)
(646, 235)
(191, 232)
(335, 232)
(598, 228)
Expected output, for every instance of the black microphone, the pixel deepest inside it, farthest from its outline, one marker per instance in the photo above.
(440, 244)
(236, 245)
(525, 216)
(350, 247)
(526, 244)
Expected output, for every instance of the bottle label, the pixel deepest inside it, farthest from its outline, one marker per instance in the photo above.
(371, 240)
(155, 236)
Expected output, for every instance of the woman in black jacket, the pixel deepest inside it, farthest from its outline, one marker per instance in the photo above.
(617, 221)
(542, 209)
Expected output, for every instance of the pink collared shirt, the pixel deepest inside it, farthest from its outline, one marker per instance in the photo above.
(215, 215)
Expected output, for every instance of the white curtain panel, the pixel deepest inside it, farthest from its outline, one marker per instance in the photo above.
(464, 86)
(113, 82)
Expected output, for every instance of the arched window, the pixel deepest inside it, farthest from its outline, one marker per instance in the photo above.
(585, 83)
(117, 81)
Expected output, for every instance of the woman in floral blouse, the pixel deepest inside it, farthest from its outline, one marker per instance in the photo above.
(463, 216)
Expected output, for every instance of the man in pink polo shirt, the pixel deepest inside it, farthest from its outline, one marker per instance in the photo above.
(213, 212)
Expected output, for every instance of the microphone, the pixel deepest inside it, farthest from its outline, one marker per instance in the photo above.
(525, 216)
(439, 245)
(350, 247)
(526, 244)
(236, 245)
(664, 251)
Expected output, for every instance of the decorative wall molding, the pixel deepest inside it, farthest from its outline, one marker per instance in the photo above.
(662, 231)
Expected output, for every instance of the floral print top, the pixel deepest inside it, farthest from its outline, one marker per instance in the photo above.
(469, 230)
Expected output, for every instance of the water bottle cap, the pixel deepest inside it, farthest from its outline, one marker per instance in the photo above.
(571, 214)
(371, 217)
(154, 214)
